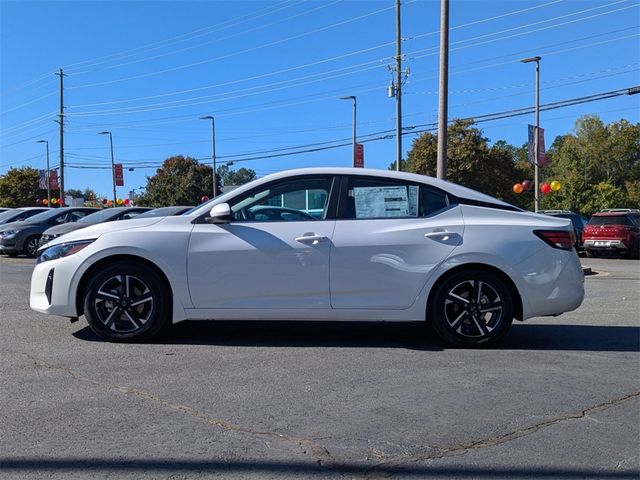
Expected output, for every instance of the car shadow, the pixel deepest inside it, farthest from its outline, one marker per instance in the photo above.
(412, 336)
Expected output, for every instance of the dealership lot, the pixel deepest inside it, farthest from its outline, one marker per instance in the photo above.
(560, 397)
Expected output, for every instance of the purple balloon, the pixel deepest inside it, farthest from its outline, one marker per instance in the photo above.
(526, 184)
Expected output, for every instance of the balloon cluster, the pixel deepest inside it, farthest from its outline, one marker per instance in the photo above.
(119, 201)
(545, 188)
(44, 201)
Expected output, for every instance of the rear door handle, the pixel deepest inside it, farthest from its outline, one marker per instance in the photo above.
(440, 235)
(311, 239)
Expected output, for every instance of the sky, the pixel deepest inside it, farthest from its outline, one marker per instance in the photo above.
(272, 72)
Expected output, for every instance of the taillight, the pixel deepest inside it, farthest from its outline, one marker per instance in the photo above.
(557, 238)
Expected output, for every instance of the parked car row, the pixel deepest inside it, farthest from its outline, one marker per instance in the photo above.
(24, 230)
(611, 231)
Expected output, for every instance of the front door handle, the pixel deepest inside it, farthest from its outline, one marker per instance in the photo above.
(440, 235)
(312, 239)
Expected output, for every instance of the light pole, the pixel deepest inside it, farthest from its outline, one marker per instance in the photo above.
(48, 183)
(213, 152)
(352, 97)
(536, 178)
(113, 167)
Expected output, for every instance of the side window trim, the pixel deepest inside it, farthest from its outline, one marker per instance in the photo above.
(329, 212)
(342, 208)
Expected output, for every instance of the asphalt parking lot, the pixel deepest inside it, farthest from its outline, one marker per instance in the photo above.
(560, 398)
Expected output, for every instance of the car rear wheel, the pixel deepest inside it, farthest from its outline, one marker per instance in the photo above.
(30, 248)
(471, 308)
(126, 302)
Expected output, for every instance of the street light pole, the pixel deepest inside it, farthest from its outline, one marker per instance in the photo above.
(536, 137)
(213, 152)
(113, 167)
(48, 182)
(352, 97)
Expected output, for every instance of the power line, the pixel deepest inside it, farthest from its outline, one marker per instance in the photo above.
(181, 38)
(413, 129)
(239, 52)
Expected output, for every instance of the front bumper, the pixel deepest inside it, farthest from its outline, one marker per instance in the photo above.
(10, 245)
(51, 288)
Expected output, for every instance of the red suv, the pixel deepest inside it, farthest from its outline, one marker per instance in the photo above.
(614, 230)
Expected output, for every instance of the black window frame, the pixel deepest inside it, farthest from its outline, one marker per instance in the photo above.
(343, 208)
(330, 210)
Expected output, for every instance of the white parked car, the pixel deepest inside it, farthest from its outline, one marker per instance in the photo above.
(365, 245)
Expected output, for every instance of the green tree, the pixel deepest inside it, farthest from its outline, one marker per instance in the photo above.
(180, 181)
(74, 193)
(236, 177)
(598, 166)
(19, 188)
(471, 161)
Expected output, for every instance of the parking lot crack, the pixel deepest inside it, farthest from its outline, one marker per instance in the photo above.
(308, 446)
(386, 469)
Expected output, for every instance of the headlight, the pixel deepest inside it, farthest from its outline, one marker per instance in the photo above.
(7, 233)
(62, 250)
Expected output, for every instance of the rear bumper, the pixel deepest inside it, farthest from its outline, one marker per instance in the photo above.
(611, 245)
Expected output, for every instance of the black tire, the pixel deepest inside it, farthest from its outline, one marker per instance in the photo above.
(471, 308)
(126, 302)
(30, 247)
(634, 252)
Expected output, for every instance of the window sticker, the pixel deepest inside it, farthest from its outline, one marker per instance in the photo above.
(386, 201)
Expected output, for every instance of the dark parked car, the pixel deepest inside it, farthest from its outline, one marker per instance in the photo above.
(19, 214)
(24, 237)
(166, 211)
(577, 220)
(107, 215)
(614, 230)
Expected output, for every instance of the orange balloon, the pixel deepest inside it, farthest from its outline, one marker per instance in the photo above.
(518, 188)
(45, 201)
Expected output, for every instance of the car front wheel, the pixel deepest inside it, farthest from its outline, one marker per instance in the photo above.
(126, 302)
(471, 308)
(31, 246)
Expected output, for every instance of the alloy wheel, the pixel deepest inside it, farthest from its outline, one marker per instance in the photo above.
(124, 303)
(473, 309)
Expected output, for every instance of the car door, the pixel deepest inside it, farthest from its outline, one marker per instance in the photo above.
(389, 237)
(274, 254)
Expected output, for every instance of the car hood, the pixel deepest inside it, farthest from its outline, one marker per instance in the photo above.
(17, 226)
(66, 228)
(94, 231)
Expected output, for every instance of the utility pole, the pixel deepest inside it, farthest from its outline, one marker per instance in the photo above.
(443, 90)
(398, 91)
(48, 171)
(61, 122)
(113, 167)
(536, 139)
(213, 152)
(355, 109)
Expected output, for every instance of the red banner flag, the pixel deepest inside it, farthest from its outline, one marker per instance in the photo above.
(358, 156)
(53, 180)
(119, 175)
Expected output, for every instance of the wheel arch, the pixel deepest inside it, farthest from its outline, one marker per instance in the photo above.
(106, 261)
(515, 294)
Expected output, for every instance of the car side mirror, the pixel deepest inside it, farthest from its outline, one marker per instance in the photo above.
(220, 213)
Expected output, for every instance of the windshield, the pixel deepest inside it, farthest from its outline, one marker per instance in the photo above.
(44, 216)
(160, 212)
(100, 216)
(609, 220)
(8, 214)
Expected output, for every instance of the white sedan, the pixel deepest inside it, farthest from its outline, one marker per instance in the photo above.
(363, 245)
